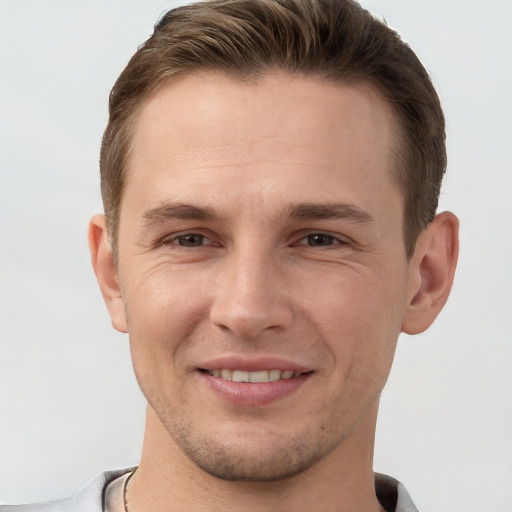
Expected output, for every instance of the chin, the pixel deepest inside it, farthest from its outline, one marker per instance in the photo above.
(232, 462)
(252, 456)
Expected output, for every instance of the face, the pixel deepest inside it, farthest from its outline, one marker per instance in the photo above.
(262, 268)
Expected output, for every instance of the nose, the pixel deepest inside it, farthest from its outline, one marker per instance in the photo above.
(251, 296)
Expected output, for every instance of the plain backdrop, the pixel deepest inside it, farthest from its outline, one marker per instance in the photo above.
(69, 405)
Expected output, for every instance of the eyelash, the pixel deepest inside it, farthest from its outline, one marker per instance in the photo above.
(175, 239)
(330, 239)
(333, 240)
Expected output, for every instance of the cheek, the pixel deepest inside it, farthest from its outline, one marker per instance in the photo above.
(164, 300)
(359, 317)
(163, 312)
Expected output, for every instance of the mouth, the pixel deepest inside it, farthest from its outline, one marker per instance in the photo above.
(246, 382)
(257, 377)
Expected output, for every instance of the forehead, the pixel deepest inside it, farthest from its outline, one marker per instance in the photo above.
(273, 102)
(290, 132)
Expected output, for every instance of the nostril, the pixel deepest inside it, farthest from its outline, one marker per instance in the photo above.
(250, 321)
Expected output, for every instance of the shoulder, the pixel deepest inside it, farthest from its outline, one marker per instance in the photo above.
(392, 494)
(87, 499)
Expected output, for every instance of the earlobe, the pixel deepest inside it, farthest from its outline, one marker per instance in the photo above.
(431, 272)
(106, 272)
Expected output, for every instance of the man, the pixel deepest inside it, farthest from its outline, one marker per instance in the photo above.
(270, 175)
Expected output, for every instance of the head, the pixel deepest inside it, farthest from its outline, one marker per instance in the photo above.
(270, 174)
(332, 40)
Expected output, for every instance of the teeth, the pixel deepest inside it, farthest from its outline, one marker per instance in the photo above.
(240, 376)
(260, 376)
(274, 375)
(226, 374)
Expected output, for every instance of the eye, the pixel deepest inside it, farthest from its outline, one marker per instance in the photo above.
(319, 240)
(189, 240)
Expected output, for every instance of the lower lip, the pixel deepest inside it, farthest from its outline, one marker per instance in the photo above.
(253, 394)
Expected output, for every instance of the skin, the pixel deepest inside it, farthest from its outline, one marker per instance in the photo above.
(289, 247)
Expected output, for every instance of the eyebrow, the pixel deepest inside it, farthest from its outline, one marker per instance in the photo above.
(321, 211)
(182, 211)
(302, 211)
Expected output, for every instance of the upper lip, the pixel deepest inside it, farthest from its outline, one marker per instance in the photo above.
(252, 365)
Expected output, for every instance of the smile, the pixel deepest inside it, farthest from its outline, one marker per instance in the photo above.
(254, 377)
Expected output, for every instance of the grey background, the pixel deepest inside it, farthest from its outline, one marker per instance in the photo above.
(69, 405)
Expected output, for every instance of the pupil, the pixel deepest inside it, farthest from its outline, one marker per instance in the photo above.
(191, 240)
(320, 239)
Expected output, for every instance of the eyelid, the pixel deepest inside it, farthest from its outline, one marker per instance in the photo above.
(337, 238)
(171, 240)
(210, 239)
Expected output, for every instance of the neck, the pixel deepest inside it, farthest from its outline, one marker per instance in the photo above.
(167, 481)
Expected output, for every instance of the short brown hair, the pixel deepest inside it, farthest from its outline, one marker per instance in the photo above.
(336, 40)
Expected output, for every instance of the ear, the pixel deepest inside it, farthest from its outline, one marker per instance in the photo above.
(106, 272)
(431, 272)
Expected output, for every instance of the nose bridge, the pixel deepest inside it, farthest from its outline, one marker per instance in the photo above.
(249, 296)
